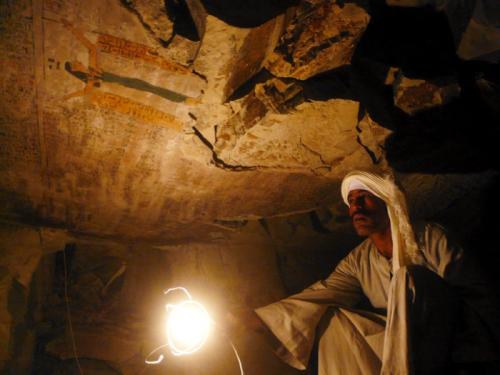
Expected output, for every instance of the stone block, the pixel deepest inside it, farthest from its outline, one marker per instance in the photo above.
(322, 36)
(229, 55)
(415, 95)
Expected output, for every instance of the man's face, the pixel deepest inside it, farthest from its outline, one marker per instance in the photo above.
(368, 212)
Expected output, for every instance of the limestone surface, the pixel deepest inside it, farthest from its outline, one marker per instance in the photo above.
(415, 95)
(230, 55)
(154, 17)
(322, 36)
(277, 129)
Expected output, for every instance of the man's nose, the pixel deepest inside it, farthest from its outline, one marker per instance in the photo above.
(357, 204)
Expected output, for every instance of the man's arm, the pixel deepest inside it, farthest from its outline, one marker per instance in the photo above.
(293, 320)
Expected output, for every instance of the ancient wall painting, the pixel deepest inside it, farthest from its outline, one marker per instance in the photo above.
(134, 109)
(112, 86)
(121, 47)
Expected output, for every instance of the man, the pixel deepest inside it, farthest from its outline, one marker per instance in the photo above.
(430, 304)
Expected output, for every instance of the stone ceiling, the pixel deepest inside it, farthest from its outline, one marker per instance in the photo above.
(149, 119)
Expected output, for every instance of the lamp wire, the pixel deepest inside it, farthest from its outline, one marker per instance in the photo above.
(237, 357)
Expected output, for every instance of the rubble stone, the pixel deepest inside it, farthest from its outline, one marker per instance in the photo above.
(322, 36)
(415, 95)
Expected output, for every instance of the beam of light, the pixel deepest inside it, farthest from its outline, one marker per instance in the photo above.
(188, 327)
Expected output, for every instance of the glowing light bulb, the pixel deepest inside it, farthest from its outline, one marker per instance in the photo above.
(188, 327)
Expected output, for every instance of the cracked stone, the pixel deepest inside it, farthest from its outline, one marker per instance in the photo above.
(371, 136)
(415, 95)
(322, 36)
(316, 136)
(153, 15)
(230, 55)
(273, 96)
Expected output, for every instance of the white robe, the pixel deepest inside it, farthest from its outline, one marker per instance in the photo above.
(356, 342)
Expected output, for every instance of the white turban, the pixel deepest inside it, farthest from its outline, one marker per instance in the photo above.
(404, 246)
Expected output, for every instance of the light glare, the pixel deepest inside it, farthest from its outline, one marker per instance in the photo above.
(188, 327)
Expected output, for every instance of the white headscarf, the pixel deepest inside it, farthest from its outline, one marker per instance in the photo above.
(405, 250)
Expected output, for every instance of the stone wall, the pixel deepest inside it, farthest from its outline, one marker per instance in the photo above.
(114, 293)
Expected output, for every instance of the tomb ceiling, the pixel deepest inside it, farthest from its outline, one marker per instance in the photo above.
(149, 119)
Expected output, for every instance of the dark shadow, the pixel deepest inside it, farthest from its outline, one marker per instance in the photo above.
(250, 13)
(246, 88)
(461, 137)
(333, 84)
(316, 223)
(437, 141)
(456, 138)
(184, 26)
(484, 243)
(417, 40)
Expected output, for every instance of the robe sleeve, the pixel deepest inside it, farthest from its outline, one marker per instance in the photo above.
(464, 275)
(293, 320)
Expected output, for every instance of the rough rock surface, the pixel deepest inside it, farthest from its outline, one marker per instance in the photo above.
(322, 36)
(20, 254)
(276, 128)
(154, 17)
(103, 133)
(415, 95)
(230, 55)
(273, 96)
